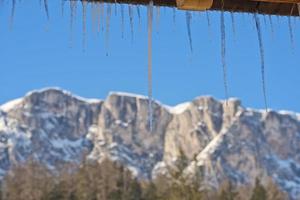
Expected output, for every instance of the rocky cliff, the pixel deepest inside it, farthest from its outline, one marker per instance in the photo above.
(220, 139)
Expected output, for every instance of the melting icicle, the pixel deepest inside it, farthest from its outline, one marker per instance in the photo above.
(233, 23)
(291, 32)
(84, 4)
(223, 53)
(298, 6)
(122, 20)
(46, 9)
(262, 58)
(12, 15)
(188, 24)
(131, 21)
(150, 106)
(108, 14)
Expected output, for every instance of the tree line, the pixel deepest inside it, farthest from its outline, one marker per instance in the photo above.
(109, 180)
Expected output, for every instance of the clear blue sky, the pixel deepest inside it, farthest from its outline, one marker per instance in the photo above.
(35, 53)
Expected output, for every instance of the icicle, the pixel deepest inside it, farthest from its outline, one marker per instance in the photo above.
(174, 16)
(108, 14)
(84, 4)
(208, 25)
(188, 24)
(150, 106)
(139, 15)
(73, 8)
(271, 24)
(157, 17)
(223, 53)
(122, 20)
(298, 6)
(131, 21)
(208, 19)
(62, 7)
(116, 10)
(94, 16)
(46, 9)
(12, 15)
(98, 16)
(102, 15)
(265, 20)
(262, 58)
(233, 23)
(291, 32)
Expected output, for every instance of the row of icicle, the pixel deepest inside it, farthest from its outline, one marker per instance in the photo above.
(98, 13)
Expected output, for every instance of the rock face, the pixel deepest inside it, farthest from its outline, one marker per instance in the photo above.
(220, 139)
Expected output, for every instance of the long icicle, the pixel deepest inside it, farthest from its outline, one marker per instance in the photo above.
(223, 54)
(233, 23)
(108, 15)
(150, 24)
(84, 5)
(291, 32)
(188, 24)
(122, 20)
(262, 58)
(131, 21)
(208, 25)
(73, 8)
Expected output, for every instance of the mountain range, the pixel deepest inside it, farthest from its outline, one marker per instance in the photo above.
(222, 139)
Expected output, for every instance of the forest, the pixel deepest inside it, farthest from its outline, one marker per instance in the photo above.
(110, 180)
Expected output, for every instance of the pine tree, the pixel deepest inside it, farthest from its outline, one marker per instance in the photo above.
(259, 192)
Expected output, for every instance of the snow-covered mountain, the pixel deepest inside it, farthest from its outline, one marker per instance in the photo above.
(221, 139)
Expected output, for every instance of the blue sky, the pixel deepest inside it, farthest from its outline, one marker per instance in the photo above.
(36, 53)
